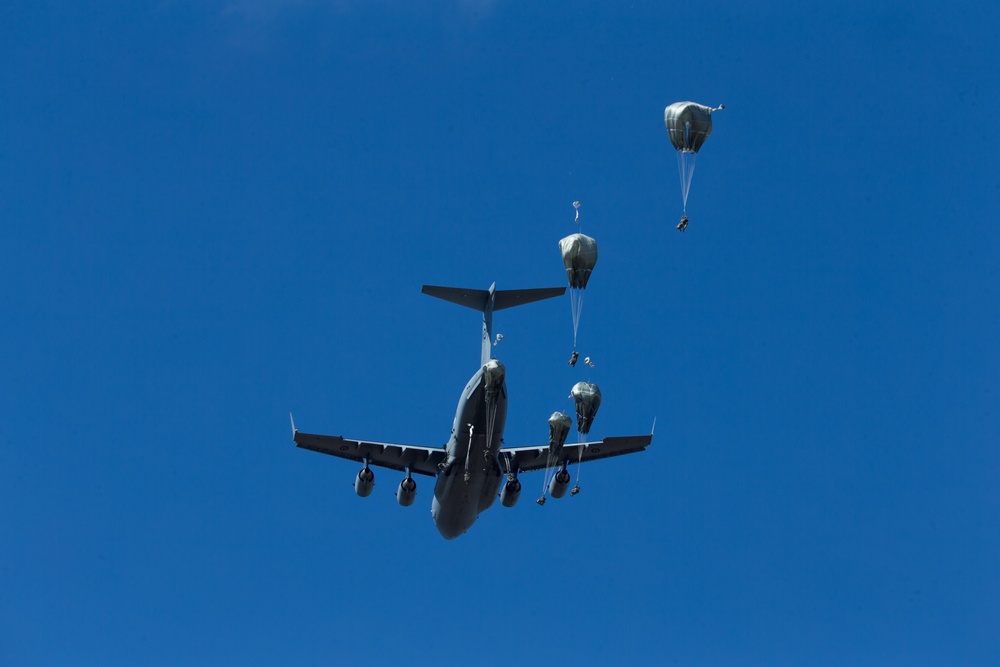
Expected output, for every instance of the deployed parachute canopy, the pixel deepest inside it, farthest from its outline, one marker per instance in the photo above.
(559, 426)
(688, 125)
(588, 399)
(579, 253)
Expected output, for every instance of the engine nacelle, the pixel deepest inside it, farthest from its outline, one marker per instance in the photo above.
(407, 492)
(365, 482)
(559, 484)
(510, 492)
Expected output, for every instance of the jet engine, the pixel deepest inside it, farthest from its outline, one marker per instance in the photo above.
(559, 483)
(407, 491)
(510, 492)
(365, 482)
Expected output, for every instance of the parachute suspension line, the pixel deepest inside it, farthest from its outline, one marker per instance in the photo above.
(572, 310)
(491, 413)
(491, 420)
(491, 425)
(468, 454)
(576, 305)
(579, 469)
(685, 167)
(547, 477)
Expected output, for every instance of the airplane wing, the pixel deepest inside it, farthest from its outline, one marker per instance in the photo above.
(422, 460)
(536, 458)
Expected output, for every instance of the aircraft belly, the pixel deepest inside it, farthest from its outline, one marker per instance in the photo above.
(458, 503)
(471, 482)
(454, 509)
(491, 487)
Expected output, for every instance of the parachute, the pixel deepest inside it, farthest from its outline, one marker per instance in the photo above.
(588, 399)
(688, 125)
(559, 426)
(579, 253)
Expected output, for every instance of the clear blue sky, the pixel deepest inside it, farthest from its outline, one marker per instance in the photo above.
(214, 213)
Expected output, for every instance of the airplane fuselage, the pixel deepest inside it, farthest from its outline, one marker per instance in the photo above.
(470, 477)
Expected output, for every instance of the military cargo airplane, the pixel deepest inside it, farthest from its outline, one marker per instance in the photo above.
(470, 466)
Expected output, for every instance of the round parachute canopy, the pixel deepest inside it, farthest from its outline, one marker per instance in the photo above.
(559, 426)
(588, 399)
(493, 373)
(688, 125)
(579, 253)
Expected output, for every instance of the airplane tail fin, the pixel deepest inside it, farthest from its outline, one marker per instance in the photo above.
(486, 301)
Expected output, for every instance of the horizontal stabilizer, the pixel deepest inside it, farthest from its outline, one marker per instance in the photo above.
(470, 298)
(508, 298)
(486, 301)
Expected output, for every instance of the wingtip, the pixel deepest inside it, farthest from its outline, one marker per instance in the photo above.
(653, 430)
(292, 419)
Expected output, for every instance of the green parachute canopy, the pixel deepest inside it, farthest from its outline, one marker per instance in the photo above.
(688, 126)
(588, 399)
(579, 253)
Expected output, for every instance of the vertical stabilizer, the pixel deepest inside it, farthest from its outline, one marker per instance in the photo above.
(488, 326)
(486, 301)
